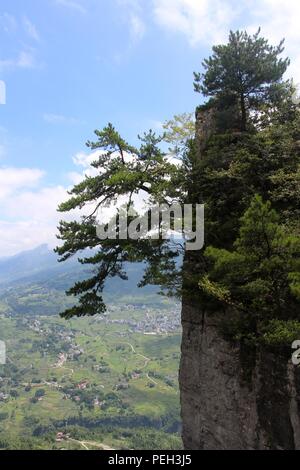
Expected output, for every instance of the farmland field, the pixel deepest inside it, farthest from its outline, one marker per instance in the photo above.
(103, 382)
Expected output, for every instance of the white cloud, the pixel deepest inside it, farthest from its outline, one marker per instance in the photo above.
(20, 236)
(28, 212)
(28, 207)
(24, 234)
(205, 22)
(201, 21)
(72, 5)
(36, 205)
(280, 19)
(133, 13)
(30, 29)
(25, 60)
(137, 27)
(15, 179)
(59, 119)
(75, 177)
(84, 160)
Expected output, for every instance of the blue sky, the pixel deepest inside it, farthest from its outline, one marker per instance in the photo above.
(70, 66)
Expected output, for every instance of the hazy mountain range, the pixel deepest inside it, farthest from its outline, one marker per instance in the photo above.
(34, 281)
(30, 264)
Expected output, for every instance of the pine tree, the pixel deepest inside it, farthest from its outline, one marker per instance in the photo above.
(259, 277)
(247, 71)
(121, 170)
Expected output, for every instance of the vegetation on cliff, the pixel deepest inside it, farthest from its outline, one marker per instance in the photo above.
(249, 180)
(245, 171)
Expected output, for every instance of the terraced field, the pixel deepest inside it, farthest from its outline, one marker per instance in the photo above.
(100, 382)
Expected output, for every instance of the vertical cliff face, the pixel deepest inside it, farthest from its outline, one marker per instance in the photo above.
(222, 411)
(220, 408)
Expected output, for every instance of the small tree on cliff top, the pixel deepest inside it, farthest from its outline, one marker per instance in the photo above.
(245, 72)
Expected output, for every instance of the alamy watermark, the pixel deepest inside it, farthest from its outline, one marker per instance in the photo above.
(2, 92)
(158, 223)
(296, 353)
(2, 353)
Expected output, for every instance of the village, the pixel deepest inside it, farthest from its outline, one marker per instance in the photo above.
(146, 320)
(57, 343)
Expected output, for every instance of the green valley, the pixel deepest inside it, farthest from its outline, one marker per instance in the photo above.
(106, 382)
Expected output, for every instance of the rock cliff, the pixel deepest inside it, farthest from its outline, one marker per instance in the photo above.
(221, 409)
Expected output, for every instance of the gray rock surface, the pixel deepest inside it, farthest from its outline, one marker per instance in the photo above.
(220, 409)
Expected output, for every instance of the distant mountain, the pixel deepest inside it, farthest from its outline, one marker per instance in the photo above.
(41, 266)
(31, 263)
(34, 281)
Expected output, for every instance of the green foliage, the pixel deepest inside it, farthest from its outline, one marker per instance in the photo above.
(280, 333)
(260, 276)
(246, 72)
(39, 393)
(147, 440)
(179, 131)
(235, 166)
(121, 170)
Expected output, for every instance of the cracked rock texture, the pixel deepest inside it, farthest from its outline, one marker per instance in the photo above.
(220, 409)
